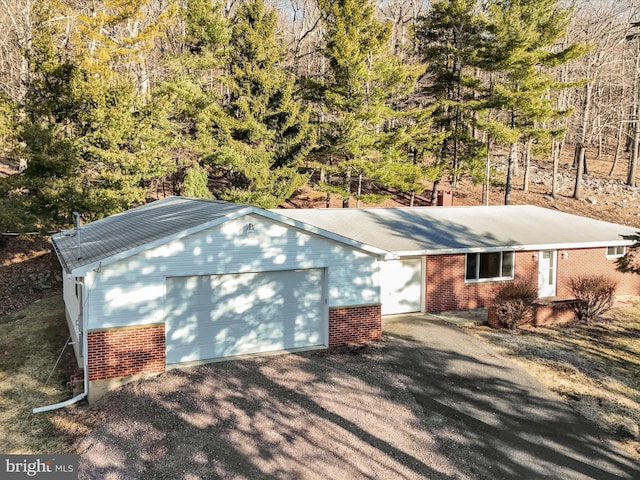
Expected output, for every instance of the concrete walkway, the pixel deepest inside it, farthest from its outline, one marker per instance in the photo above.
(496, 420)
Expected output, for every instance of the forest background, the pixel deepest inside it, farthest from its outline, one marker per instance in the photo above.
(105, 105)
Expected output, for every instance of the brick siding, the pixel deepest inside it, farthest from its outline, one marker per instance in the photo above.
(447, 290)
(355, 325)
(593, 261)
(121, 352)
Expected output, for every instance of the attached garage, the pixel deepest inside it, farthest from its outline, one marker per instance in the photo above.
(401, 285)
(216, 316)
(181, 281)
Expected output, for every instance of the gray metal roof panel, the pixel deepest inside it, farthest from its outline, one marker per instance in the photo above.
(137, 227)
(445, 229)
(400, 231)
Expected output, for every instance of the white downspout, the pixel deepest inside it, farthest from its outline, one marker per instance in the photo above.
(85, 360)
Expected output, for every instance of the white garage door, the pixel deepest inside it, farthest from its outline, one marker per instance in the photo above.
(401, 285)
(224, 315)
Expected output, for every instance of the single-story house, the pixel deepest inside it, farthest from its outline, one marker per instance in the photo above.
(181, 281)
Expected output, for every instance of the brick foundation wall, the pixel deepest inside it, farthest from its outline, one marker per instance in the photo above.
(355, 325)
(552, 313)
(544, 313)
(121, 352)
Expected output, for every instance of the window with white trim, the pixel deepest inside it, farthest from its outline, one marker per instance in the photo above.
(489, 266)
(616, 251)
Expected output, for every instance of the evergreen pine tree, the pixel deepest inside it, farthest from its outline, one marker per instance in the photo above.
(92, 140)
(264, 132)
(363, 131)
(194, 90)
(523, 34)
(449, 39)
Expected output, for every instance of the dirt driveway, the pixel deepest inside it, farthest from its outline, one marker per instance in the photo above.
(429, 402)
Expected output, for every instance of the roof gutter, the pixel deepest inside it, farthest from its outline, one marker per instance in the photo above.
(515, 248)
(85, 360)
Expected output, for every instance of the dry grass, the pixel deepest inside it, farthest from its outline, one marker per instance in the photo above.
(595, 368)
(30, 342)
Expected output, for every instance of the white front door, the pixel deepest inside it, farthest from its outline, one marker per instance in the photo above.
(401, 285)
(547, 273)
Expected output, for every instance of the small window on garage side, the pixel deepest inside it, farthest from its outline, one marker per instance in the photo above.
(489, 266)
(616, 251)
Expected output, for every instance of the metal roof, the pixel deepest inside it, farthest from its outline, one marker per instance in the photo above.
(432, 230)
(125, 233)
(387, 232)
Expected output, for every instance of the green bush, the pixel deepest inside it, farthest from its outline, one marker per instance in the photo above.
(595, 295)
(514, 303)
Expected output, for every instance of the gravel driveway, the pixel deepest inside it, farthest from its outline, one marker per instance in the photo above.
(429, 402)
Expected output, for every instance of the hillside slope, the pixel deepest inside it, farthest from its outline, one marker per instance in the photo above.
(29, 270)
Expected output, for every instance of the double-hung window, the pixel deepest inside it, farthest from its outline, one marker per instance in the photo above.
(616, 251)
(489, 266)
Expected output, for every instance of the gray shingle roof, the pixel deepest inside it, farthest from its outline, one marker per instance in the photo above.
(448, 229)
(126, 231)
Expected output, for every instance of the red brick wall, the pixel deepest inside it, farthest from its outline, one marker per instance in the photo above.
(593, 261)
(354, 325)
(447, 290)
(121, 352)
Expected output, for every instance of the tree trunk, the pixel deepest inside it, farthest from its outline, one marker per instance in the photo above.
(633, 160)
(434, 193)
(486, 187)
(577, 191)
(588, 92)
(556, 161)
(513, 153)
(527, 167)
(359, 191)
(616, 155)
(347, 186)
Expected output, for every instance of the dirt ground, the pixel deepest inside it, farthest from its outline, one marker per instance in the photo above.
(305, 416)
(429, 402)
(28, 272)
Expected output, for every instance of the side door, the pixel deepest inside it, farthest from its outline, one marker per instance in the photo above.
(547, 261)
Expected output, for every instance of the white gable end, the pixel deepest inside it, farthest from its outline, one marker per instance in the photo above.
(133, 290)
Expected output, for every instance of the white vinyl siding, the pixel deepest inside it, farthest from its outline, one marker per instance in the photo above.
(72, 295)
(225, 315)
(132, 291)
